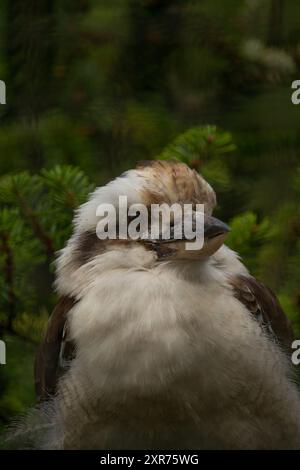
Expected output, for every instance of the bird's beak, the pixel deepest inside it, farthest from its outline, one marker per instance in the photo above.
(214, 227)
(214, 234)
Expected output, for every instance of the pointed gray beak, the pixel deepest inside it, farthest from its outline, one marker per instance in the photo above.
(215, 232)
(214, 227)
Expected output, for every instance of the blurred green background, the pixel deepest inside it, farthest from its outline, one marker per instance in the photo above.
(95, 86)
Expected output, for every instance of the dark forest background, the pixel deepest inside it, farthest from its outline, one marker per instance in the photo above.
(95, 86)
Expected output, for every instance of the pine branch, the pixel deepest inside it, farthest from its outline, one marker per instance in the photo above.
(8, 276)
(204, 149)
(66, 185)
(9, 330)
(28, 213)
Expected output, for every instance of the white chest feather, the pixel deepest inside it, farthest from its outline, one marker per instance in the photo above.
(172, 341)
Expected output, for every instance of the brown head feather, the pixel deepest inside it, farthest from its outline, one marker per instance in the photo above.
(174, 182)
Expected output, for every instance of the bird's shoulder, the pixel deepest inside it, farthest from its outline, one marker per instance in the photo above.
(263, 305)
(55, 351)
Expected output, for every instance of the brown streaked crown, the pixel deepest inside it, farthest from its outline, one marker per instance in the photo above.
(174, 182)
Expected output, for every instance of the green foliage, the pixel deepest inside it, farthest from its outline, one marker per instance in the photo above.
(19, 255)
(45, 202)
(17, 389)
(205, 149)
(31, 327)
(67, 186)
(247, 236)
(35, 220)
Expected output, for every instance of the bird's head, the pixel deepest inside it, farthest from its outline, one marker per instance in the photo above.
(99, 224)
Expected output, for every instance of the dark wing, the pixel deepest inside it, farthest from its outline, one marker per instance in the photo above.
(264, 306)
(54, 351)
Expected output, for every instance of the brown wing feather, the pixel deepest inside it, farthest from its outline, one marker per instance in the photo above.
(48, 354)
(263, 304)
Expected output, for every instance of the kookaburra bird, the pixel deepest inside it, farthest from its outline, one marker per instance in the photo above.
(154, 347)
